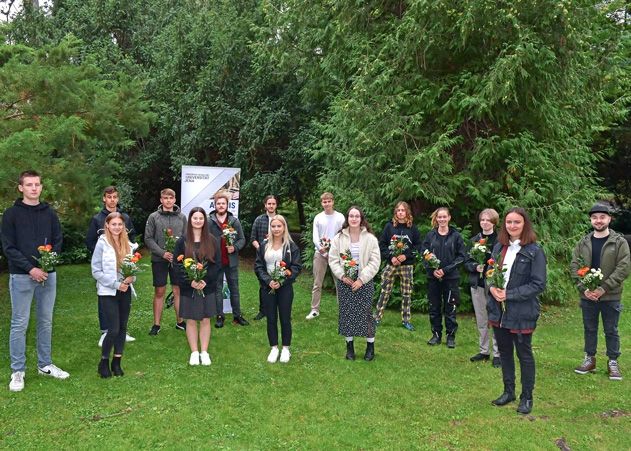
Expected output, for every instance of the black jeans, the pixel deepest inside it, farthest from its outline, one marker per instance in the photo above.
(610, 312)
(444, 298)
(522, 343)
(232, 279)
(116, 312)
(278, 304)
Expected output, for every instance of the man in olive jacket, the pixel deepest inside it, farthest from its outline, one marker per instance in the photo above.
(607, 251)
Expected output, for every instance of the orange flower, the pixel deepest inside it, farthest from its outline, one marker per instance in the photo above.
(134, 259)
(583, 271)
(399, 245)
(180, 257)
(170, 232)
(490, 261)
(48, 247)
(428, 256)
(282, 264)
(138, 255)
(482, 241)
(287, 272)
(200, 266)
(41, 248)
(352, 263)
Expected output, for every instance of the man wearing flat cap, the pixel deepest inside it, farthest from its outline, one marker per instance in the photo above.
(608, 252)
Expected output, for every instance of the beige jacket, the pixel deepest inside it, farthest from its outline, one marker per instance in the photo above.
(369, 255)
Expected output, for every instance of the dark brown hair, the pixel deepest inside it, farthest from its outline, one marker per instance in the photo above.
(207, 244)
(363, 222)
(109, 190)
(29, 173)
(528, 235)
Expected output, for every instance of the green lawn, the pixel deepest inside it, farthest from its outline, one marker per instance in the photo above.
(410, 397)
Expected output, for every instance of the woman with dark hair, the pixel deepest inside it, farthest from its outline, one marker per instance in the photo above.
(197, 298)
(443, 291)
(114, 290)
(398, 242)
(277, 265)
(354, 260)
(514, 307)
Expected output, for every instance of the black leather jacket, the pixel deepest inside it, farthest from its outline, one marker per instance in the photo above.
(291, 258)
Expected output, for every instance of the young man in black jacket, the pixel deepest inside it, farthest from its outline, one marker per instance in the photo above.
(26, 226)
(95, 229)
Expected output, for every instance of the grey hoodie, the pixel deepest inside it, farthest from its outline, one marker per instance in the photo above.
(157, 223)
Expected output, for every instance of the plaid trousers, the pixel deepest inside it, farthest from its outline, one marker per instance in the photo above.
(406, 273)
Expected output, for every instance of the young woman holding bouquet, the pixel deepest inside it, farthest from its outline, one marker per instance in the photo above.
(197, 297)
(447, 245)
(277, 265)
(355, 287)
(514, 307)
(476, 265)
(114, 290)
(398, 243)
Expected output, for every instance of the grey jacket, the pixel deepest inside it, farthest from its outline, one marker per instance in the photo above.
(215, 229)
(614, 264)
(157, 223)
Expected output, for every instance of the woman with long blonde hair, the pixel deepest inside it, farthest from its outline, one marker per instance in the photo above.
(279, 255)
(113, 289)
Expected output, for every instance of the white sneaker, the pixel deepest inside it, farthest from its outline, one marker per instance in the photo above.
(17, 381)
(273, 355)
(53, 371)
(129, 338)
(103, 335)
(312, 314)
(205, 358)
(194, 360)
(285, 355)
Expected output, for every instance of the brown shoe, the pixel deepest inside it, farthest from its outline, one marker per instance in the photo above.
(588, 365)
(614, 371)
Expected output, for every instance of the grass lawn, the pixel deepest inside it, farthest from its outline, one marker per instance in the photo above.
(411, 396)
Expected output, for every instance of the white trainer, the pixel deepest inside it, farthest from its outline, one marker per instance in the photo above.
(53, 371)
(194, 360)
(312, 314)
(129, 338)
(103, 335)
(273, 355)
(17, 381)
(205, 358)
(285, 355)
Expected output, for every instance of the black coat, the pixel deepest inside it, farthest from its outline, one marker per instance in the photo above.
(212, 270)
(451, 254)
(291, 258)
(97, 224)
(526, 282)
(413, 238)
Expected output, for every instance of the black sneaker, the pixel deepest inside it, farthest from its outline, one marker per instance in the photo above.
(155, 329)
(220, 321)
(497, 362)
(181, 326)
(240, 321)
(259, 316)
(451, 341)
(435, 340)
(479, 356)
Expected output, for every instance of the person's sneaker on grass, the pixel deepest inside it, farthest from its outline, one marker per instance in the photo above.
(273, 355)
(155, 330)
(53, 371)
(497, 362)
(220, 321)
(479, 356)
(194, 358)
(129, 338)
(312, 314)
(614, 371)
(588, 365)
(17, 381)
(240, 321)
(205, 358)
(408, 326)
(285, 355)
(181, 326)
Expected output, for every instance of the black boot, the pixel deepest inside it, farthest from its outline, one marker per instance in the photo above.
(435, 340)
(525, 403)
(116, 366)
(104, 368)
(370, 351)
(451, 341)
(220, 320)
(350, 350)
(506, 397)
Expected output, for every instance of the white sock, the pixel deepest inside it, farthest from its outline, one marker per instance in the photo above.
(370, 340)
(349, 339)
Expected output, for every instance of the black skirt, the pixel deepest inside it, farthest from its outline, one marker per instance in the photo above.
(198, 307)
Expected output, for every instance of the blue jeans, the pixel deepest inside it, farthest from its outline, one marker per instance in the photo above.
(23, 289)
(610, 312)
(232, 279)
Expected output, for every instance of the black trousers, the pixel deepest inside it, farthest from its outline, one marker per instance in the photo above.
(278, 304)
(522, 344)
(116, 312)
(444, 298)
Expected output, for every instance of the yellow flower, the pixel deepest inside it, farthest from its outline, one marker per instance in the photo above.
(188, 262)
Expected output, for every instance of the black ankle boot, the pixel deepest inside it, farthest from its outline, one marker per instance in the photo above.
(505, 398)
(350, 350)
(370, 351)
(104, 368)
(525, 404)
(116, 366)
(435, 340)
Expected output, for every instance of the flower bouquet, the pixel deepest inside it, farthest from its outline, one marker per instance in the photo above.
(279, 274)
(397, 245)
(130, 266)
(351, 269)
(325, 244)
(47, 259)
(432, 261)
(591, 278)
(495, 276)
(195, 270)
(478, 252)
(169, 240)
(229, 234)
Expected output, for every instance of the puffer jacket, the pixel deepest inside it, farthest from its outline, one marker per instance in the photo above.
(526, 282)
(614, 264)
(108, 278)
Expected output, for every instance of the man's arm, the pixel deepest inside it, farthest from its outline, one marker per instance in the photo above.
(9, 244)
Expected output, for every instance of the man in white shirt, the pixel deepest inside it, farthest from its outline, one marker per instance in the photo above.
(325, 225)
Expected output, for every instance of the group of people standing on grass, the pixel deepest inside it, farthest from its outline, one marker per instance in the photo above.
(346, 244)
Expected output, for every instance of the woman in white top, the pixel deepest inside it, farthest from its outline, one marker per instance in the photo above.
(113, 290)
(355, 247)
(275, 255)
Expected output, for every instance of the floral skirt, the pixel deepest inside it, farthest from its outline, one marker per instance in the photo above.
(356, 318)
